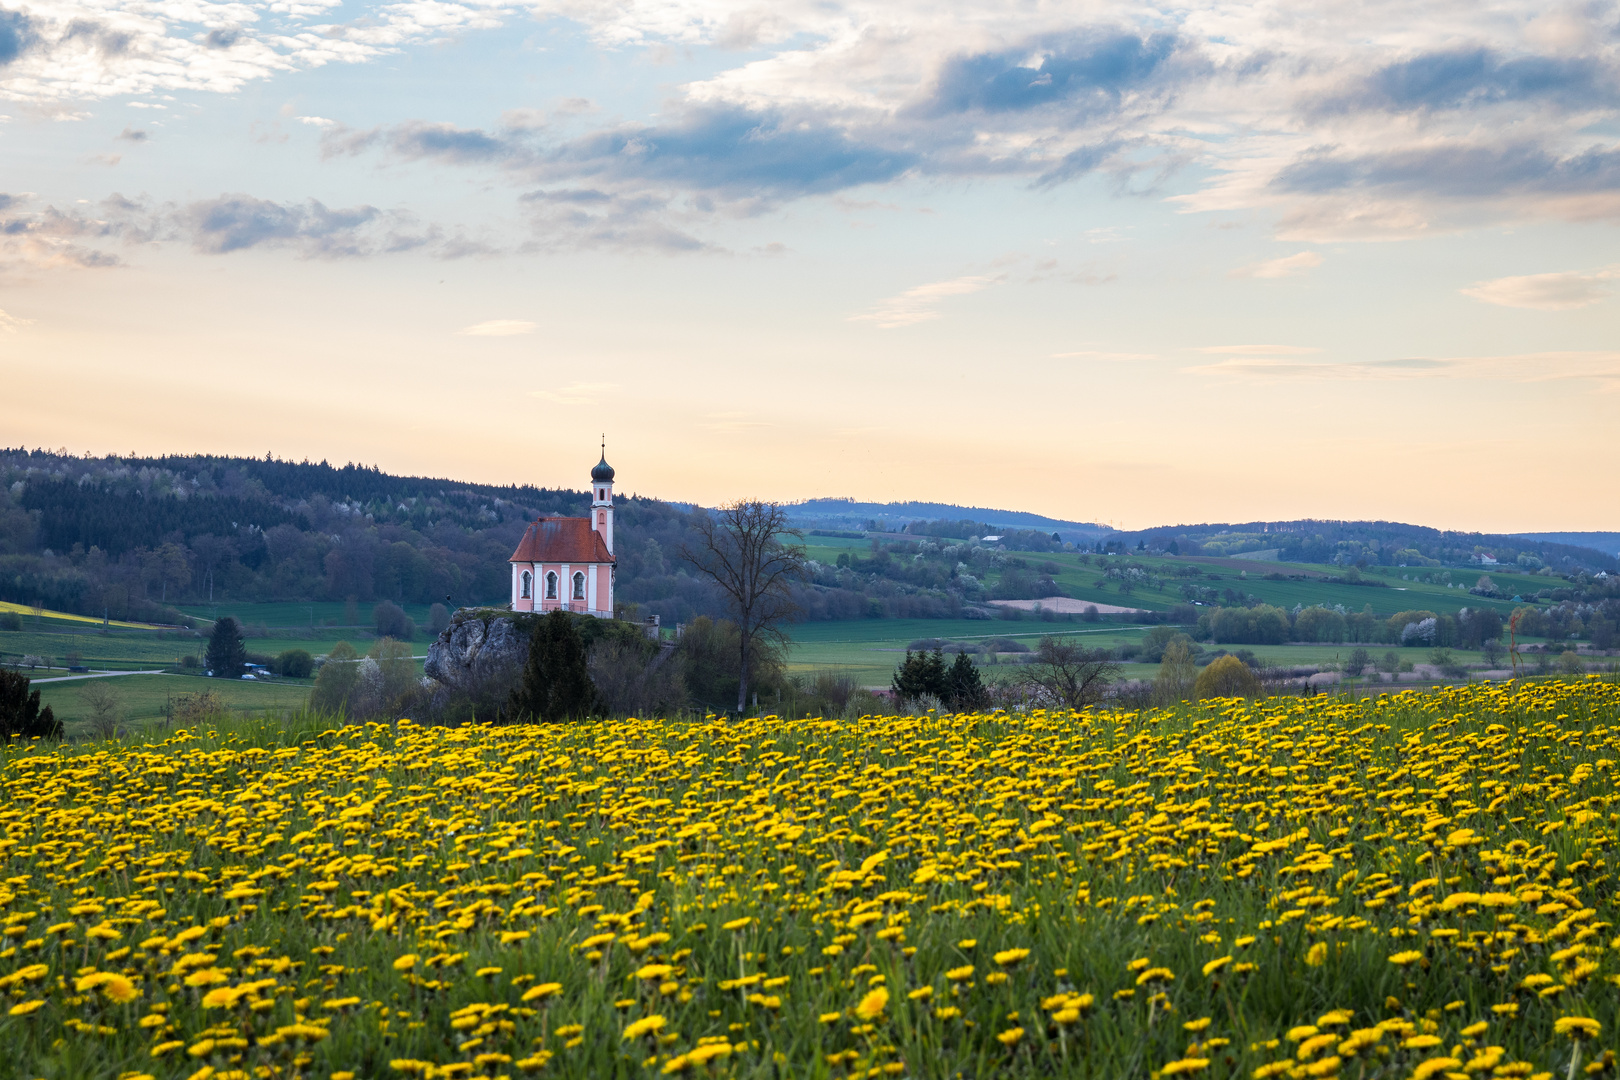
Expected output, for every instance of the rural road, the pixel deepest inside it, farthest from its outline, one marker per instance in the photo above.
(93, 675)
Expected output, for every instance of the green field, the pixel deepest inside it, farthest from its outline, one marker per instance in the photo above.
(146, 699)
(320, 614)
(1303, 584)
(869, 650)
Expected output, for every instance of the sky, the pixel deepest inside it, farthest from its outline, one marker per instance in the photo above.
(1107, 261)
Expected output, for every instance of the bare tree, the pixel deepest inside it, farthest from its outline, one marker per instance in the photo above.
(106, 708)
(1068, 675)
(739, 547)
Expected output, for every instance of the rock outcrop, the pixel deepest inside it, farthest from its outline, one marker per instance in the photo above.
(481, 649)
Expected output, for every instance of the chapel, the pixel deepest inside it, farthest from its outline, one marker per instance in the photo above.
(566, 562)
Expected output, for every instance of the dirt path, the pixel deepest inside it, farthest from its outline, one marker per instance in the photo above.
(92, 675)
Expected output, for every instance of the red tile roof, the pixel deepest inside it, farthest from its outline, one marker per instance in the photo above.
(561, 540)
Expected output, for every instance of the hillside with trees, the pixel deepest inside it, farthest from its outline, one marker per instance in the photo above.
(135, 538)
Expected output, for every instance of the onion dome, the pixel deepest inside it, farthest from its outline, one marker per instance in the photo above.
(603, 473)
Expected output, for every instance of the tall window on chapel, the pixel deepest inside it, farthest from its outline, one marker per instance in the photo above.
(551, 586)
(526, 584)
(579, 586)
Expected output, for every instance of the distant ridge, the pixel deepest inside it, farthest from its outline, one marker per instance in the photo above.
(848, 513)
(1606, 542)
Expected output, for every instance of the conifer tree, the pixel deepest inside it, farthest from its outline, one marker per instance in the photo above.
(20, 714)
(226, 654)
(556, 681)
(964, 689)
(919, 675)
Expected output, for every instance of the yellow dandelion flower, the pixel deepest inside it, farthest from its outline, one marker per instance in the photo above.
(647, 1025)
(1577, 1027)
(541, 991)
(873, 1004)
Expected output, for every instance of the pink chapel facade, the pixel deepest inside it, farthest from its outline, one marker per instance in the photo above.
(568, 563)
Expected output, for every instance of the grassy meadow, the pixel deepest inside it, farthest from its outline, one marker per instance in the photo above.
(1413, 886)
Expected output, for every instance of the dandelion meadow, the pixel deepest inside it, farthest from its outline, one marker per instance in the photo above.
(1416, 885)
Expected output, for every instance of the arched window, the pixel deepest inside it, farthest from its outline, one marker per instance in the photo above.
(551, 585)
(527, 580)
(601, 518)
(579, 586)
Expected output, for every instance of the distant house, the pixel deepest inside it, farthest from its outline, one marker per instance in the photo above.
(567, 563)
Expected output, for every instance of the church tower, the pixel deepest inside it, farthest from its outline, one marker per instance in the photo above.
(602, 500)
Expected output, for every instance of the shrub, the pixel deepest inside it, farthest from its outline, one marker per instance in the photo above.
(203, 705)
(1570, 663)
(337, 681)
(1227, 677)
(1178, 674)
(1360, 660)
(1447, 663)
(391, 621)
(635, 678)
(556, 678)
(10, 620)
(294, 663)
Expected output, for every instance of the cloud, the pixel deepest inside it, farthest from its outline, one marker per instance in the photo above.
(1477, 77)
(238, 222)
(50, 237)
(1546, 292)
(1089, 71)
(1361, 123)
(16, 35)
(499, 328)
(733, 150)
(130, 134)
(1602, 367)
(1260, 350)
(733, 423)
(10, 323)
(920, 304)
(1111, 357)
(1287, 266)
(579, 393)
(1458, 171)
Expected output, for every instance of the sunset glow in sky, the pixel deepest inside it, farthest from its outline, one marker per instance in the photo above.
(1104, 261)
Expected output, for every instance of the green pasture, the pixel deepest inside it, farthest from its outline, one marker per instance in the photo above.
(130, 650)
(1248, 577)
(322, 615)
(145, 698)
(869, 649)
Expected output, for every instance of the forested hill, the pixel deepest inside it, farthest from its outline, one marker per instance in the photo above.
(1372, 543)
(134, 535)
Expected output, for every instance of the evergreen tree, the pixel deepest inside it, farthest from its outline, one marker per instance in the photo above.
(964, 690)
(226, 653)
(556, 682)
(921, 674)
(20, 714)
